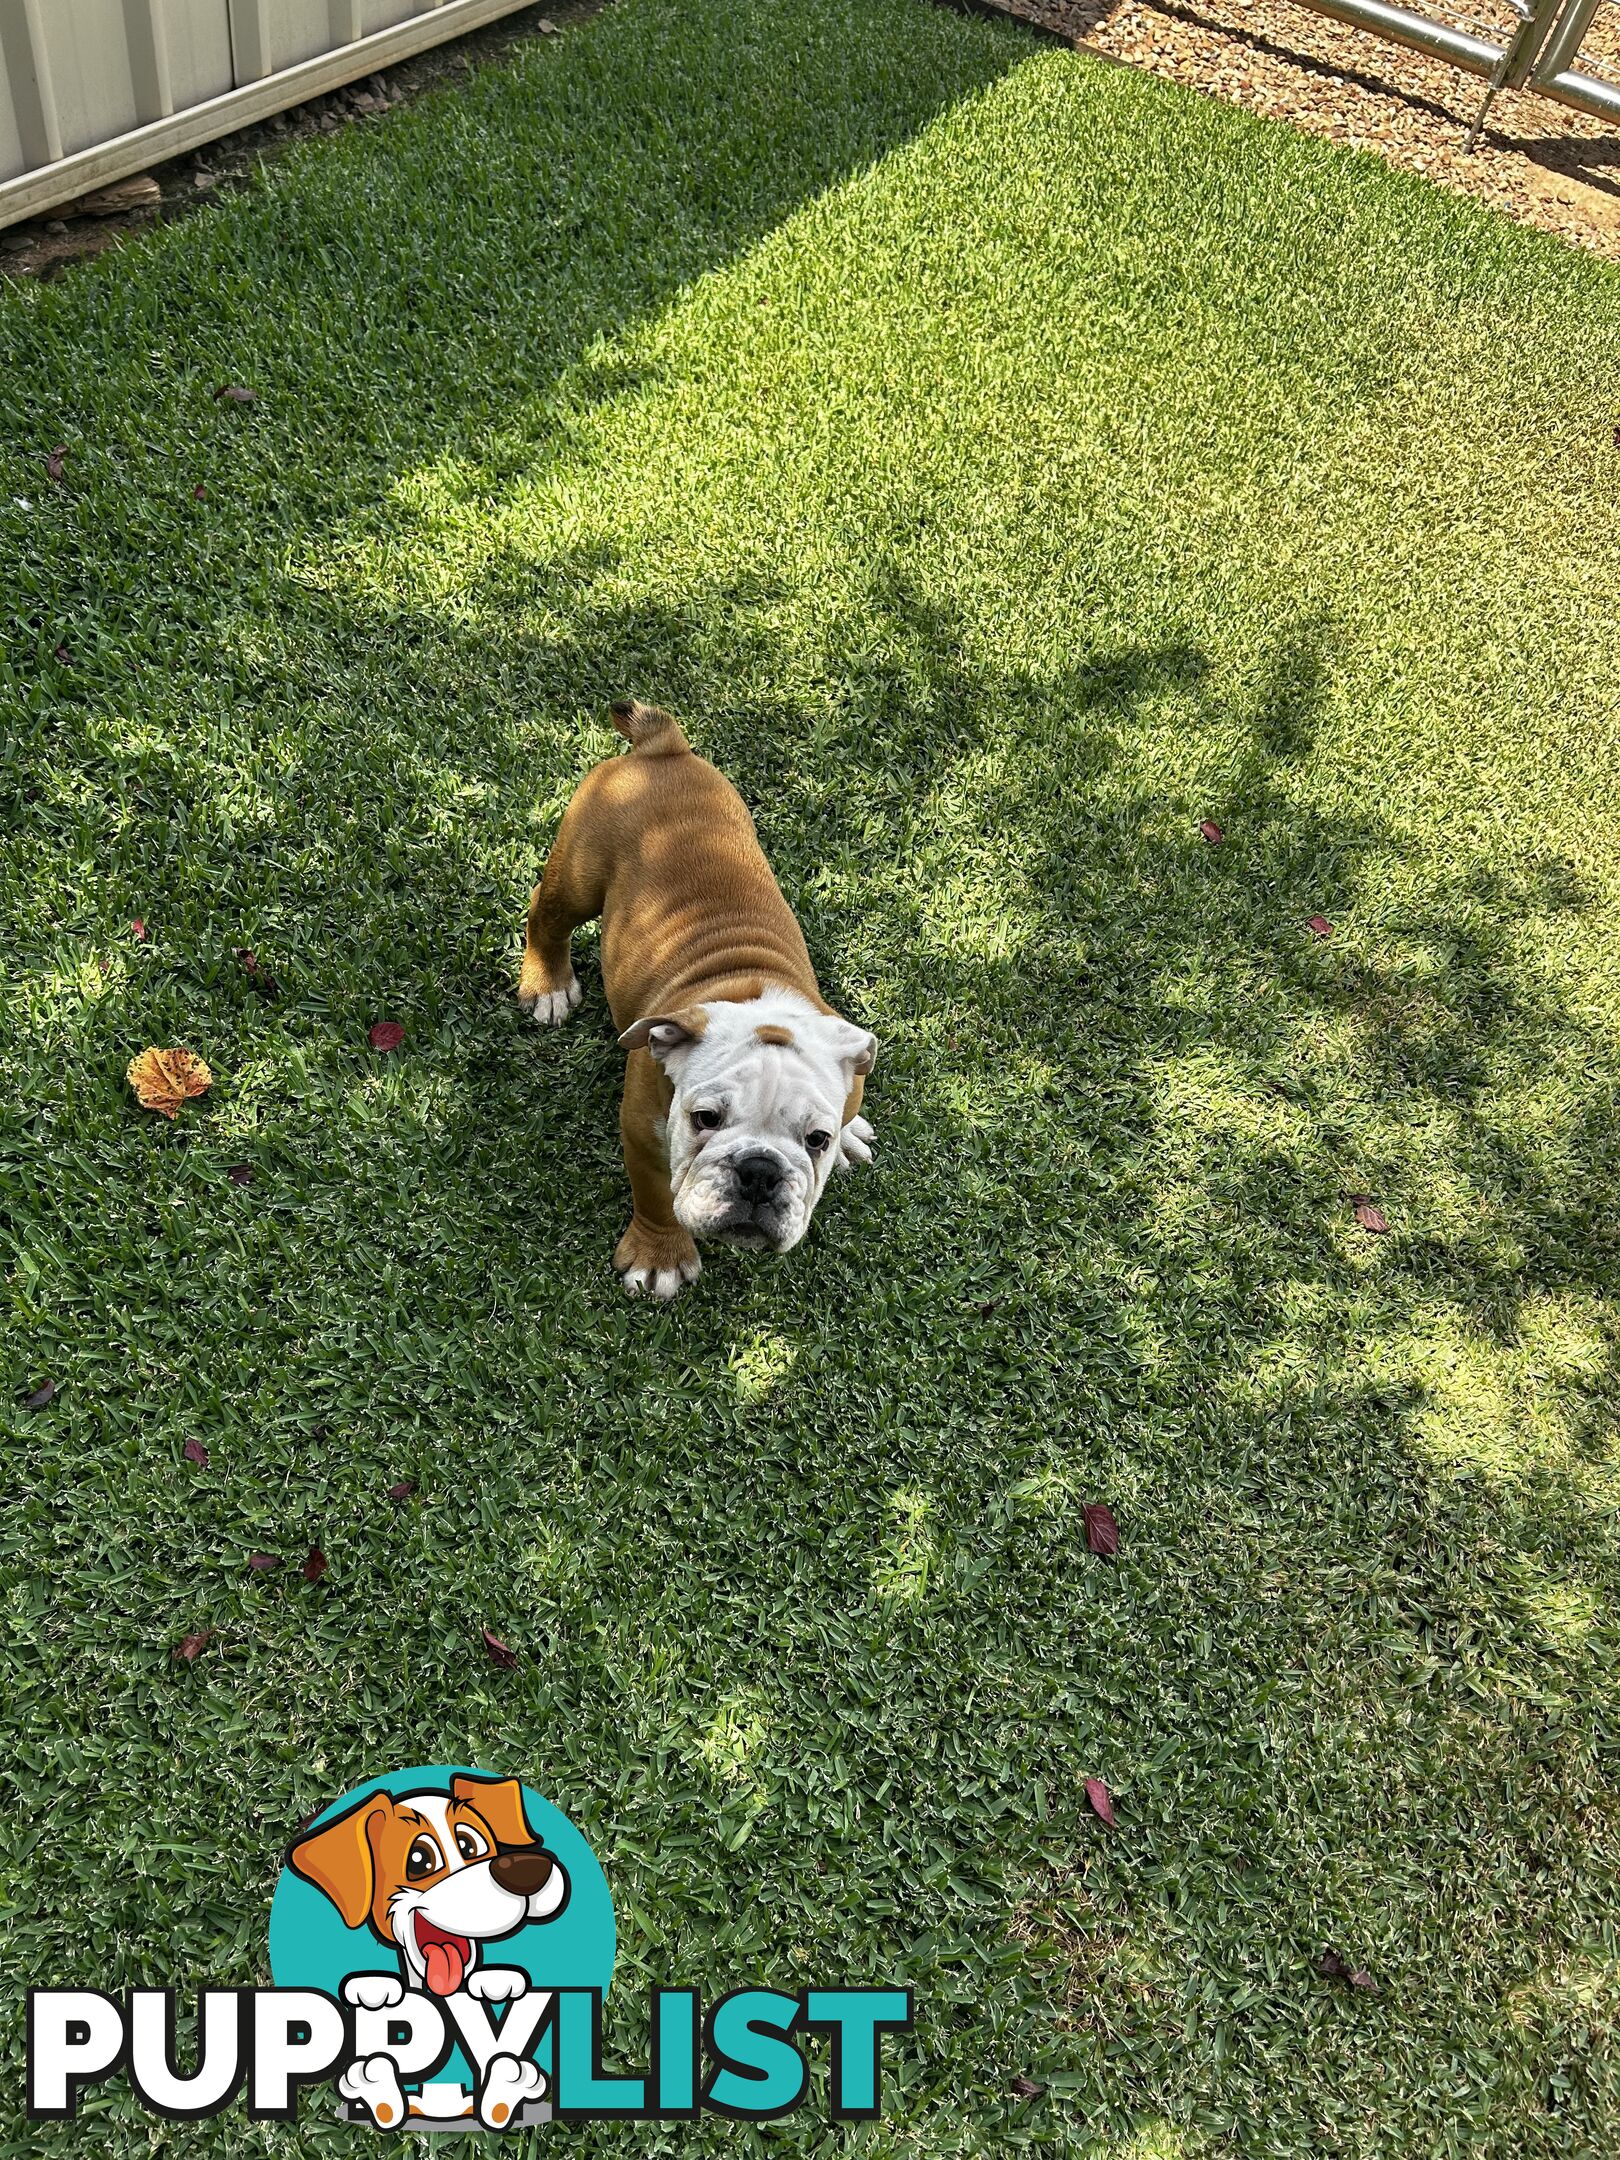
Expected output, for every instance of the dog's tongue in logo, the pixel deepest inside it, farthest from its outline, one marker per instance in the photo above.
(445, 1956)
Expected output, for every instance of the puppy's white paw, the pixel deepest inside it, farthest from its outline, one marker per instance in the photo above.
(507, 2084)
(373, 1991)
(661, 1283)
(552, 1007)
(855, 1143)
(497, 1983)
(374, 2082)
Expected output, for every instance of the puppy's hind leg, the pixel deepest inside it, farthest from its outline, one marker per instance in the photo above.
(568, 894)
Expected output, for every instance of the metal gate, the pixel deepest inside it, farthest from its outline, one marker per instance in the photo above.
(93, 90)
(1540, 54)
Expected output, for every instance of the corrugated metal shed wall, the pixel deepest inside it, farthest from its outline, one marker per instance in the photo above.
(94, 89)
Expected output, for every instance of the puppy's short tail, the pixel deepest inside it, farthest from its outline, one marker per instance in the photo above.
(648, 728)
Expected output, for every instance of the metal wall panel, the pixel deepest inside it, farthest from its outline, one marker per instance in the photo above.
(28, 132)
(11, 153)
(297, 30)
(91, 74)
(93, 90)
(198, 36)
(383, 14)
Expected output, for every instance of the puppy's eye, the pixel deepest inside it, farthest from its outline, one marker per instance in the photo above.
(469, 1844)
(708, 1120)
(818, 1142)
(424, 1858)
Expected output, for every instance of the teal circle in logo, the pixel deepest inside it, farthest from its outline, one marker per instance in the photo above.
(322, 1928)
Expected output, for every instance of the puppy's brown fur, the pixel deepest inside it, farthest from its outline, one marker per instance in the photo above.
(661, 846)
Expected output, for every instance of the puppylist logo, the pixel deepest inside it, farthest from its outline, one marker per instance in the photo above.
(441, 1947)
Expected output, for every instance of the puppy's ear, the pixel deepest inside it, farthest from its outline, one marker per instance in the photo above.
(663, 1032)
(500, 1802)
(853, 1044)
(338, 1858)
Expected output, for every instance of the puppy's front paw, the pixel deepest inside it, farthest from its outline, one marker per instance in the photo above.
(507, 2084)
(855, 1144)
(549, 1008)
(375, 2084)
(656, 1262)
(497, 1983)
(373, 1991)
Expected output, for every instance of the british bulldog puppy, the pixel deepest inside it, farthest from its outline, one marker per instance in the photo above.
(743, 1089)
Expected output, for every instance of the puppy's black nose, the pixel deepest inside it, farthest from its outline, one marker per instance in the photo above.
(757, 1177)
(522, 1872)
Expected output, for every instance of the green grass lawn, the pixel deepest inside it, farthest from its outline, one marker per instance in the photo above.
(1002, 462)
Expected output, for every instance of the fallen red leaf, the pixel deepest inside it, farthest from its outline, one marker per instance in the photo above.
(199, 491)
(234, 393)
(259, 1561)
(194, 1451)
(498, 1652)
(44, 1393)
(1319, 926)
(1212, 832)
(187, 1649)
(315, 1565)
(403, 1490)
(386, 1035)
(257, 973)
(1102, 1801)
(55, 462)
(1368, 1214)
(137, 930)
(1102, 1532)
(240, 1173)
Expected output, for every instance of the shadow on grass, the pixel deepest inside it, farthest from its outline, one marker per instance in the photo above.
(811, 1639)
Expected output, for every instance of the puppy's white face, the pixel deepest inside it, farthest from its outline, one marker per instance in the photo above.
(759, 1093)
(450, 1900)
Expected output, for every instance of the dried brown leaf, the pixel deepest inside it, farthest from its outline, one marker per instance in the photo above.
(1101, 1800)
(137, 930)
(240, 1173)
(1212, 832)
(194, 1451)
(164, 1079)
(43, 1394)
(499, 1654)
(315, 1565)
(1369, 1214)
(235, 393)
(55, 462)
(1026, 2088)
(188, 1647)
(403, 1490)
(1319, 926)
(259, 1561)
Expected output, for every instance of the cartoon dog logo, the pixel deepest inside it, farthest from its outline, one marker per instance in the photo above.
(436, 1876)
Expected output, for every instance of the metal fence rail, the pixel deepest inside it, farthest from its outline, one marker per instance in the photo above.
(1537, 56)
(93, 90)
